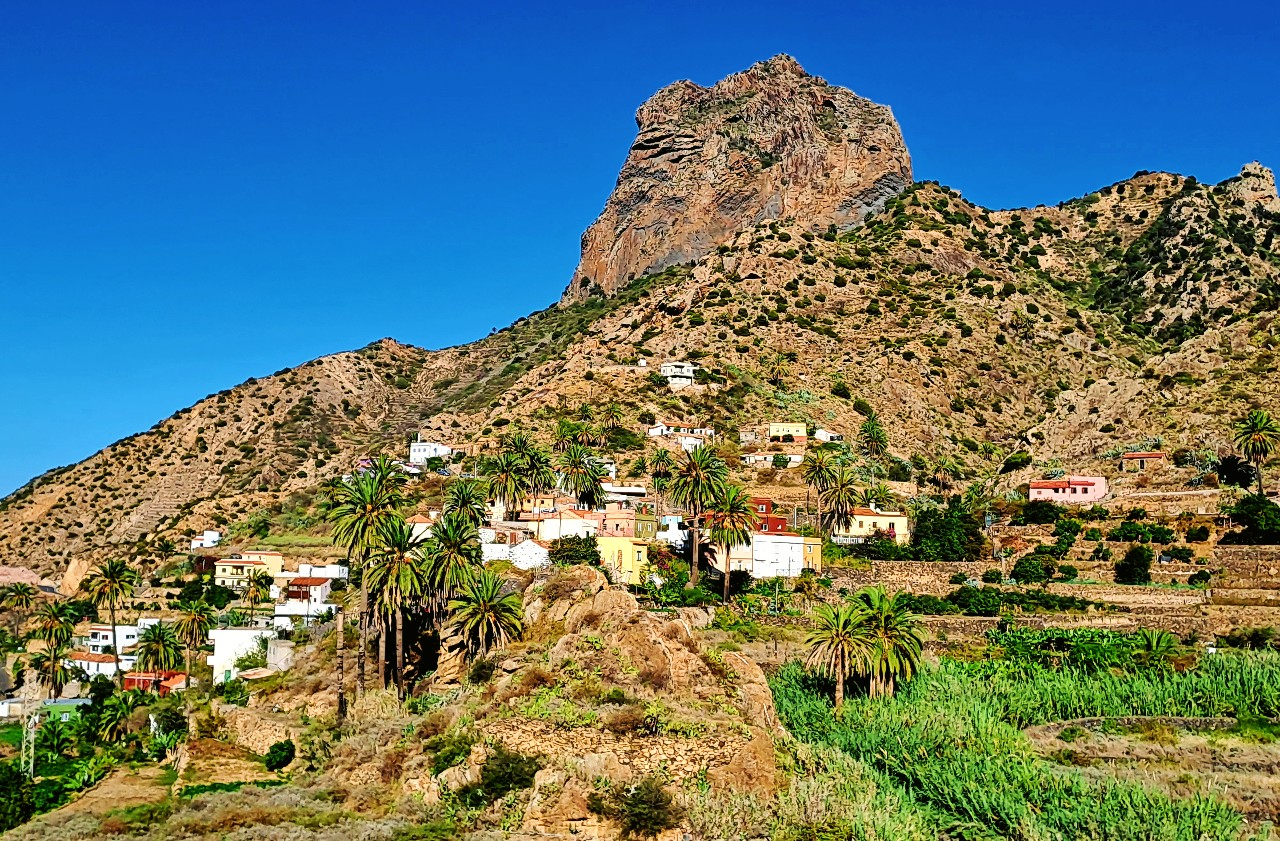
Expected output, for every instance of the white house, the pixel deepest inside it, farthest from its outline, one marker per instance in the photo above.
(766, 459)
(420, 452)
(98, 664)
(689, 443)
(102, 639)
(208, 540)
(531, 554)
(553, 525)
(827, 435)
(670, 531)
(229, 645)
(323, 570)
(777, 554)
(665, 428)
(678, 374)
(420, 526)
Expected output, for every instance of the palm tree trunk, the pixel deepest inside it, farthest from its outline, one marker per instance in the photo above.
(694, 533)
(840, 678)
(380, 635)
(115, 643)
(340, 646)
(400, 693)
(726, 574)
(364, 623)
(186, 693)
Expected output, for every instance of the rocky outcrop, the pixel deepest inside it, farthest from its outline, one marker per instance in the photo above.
(769, 143)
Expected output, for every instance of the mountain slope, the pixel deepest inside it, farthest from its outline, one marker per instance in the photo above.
(1142, 309)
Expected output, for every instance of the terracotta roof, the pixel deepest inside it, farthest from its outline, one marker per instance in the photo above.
(308, 582)
(867, 512)
(1049, 483)
(1144, 455)
(90, 657)
(241, 562)
(418, 519)
(175, 682)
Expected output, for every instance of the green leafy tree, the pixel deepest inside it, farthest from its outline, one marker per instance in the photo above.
(1257, 435)
(279, 755)
(17, 804)
(895, 635)
(453, 558)
(697, 483)
(731, 522)
(1029, 570)
(574, 549)
(359, 508)
(486, 617)
(1135, 566)
(838, 644)
(111, 585)
(565, 433)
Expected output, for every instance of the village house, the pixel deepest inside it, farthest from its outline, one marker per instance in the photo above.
(208, 540)
(867, 522)
(769, 521)
(671, 531)
(312, 590)
(162, 683)
(333, 571)
(827, 436)
(780, 554)
(665, 428)
(1139, 461)
(1073, 490)
(748, 436)
(786, 462)
(94, 664)
(624, 557)
(553, 525)
(420, 526)
(233, 573)
(531, 554)
(229, 645)
(102, 639)
(788, 431)
(420, 452)
(678, 374)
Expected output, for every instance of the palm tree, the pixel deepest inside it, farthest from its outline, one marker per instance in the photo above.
(895, 635)
(838, 644)
(733, 519)
(50, 666)
(945, 468)
(164, 549)
(111, 585)
(660, 467)
(566, 432)
(872, 436)
(113, 720)
(777, 368)
(839, 499)
(818, 469)
(159, 650)
(699, 480)
(585, 413)
(1257, 435)
(360, 508)
(507, 481)
(56, 622)
(257, 589)
(398, 578)
(195, 620)
(539, 472)
(486, 617)
(612, 415)
(453, 559)
(581, 475)
(19, 598)
(469, 497)
(1154, 648)
(878, 496)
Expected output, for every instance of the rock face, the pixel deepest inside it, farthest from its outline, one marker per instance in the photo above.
(769, 143)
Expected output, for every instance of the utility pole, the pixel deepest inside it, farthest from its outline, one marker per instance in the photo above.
(28, 756)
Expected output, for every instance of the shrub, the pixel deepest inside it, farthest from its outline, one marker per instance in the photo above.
(16, 805)
(958, 578)
(449, 749)
(1039, 512)
(644, 809)
(503, 772)
(992, 576)
(629, 719)
(279, 755)
(1179, 553)
(481, 671)
(1135, 566)
(841, 389)
(1197, 534)
(1068, 573)
(1130, 532)
(1029, 570)
(1199, 579)
(1093, 533)
(1016, 461)
(1162, 534)
(862, 407)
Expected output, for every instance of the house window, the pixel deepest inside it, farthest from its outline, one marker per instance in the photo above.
(860, 524)
(1073, 490)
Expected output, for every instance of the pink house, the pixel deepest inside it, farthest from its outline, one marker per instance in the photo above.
(1073, 490)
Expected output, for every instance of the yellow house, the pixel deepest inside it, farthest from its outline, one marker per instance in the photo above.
(866, 522)
(233, 572)
(625, 557)
(779, 431)
(273, 561)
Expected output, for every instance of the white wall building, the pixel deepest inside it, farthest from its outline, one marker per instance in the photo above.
(208, 540)
(678, 374)
(101, 638)
(98, 664)
(827, 435)
(564, 523)
(530, 554)
(323, 571)
(777, 554)
(229, 645)
(420, 452)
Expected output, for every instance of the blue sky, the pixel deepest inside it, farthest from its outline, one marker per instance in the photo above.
(193, 194)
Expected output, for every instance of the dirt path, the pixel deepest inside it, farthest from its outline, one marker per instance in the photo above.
(122, 787)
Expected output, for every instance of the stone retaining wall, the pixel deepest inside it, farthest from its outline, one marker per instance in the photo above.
(254, 729)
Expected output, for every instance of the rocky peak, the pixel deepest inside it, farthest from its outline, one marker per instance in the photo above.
(771, 142)
(1256, 183)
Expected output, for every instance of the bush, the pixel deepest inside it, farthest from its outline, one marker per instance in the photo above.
(1130, 532)
(1039, 512)
(1016, 461)
(841, 389)
(571, 550)
(481, 671)
(1162, 534)
(16, 806)
(503, 772)
(1068, 573)
(645, 809)
(862, 407)
(279, 755)
(1093, 533)
(1135, 566)
(1199, 579)
(958, 578)
(1179, 553)
(992, 576)
(1197, 534)
(973, 601)
(1029, 570)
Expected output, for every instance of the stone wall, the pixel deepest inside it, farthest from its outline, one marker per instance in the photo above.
(256, 730)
